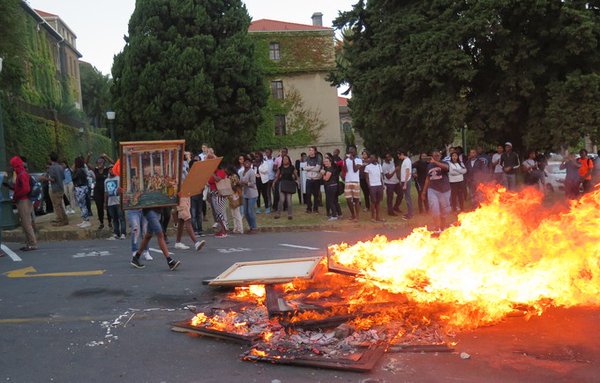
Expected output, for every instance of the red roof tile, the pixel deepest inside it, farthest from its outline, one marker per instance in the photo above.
(266, 25)
(45, 14)
(343, 101)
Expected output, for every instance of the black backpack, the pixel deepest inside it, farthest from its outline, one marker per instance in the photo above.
(35, 189)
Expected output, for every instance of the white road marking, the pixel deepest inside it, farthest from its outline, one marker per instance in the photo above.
(233, 250)
(92, 254)
(159, 251)
(11, 253)
(299, 247)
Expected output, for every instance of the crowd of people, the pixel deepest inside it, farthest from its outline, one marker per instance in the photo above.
(264, 183)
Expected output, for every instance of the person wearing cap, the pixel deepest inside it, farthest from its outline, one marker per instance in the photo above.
(510, 162)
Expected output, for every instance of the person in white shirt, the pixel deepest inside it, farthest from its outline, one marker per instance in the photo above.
(267, 176)
(203, 153)
(456, 175)
(405, 177)
(374, 177)
(392, 185)
(352, 180)
(499, 177)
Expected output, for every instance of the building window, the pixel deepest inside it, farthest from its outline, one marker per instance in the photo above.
(274, 52)
(277, 90)
(280, 125)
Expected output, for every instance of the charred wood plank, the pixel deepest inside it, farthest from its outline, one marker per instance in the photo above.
(237, 338)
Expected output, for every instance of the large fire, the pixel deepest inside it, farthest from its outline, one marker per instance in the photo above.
(511, 251)
(510, 255)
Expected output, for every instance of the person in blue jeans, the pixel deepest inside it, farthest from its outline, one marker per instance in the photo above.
(154, 228)
(138, 227)
(248, 182)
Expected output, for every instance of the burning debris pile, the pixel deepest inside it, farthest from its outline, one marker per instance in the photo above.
(344, 311)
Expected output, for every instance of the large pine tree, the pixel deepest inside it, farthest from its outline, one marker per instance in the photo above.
(526, 71)
(187, 71)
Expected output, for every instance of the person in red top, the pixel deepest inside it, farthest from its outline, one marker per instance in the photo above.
(585, 170)
(218, 202)
(24, 205)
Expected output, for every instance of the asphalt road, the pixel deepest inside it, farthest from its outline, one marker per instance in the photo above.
(56, 328)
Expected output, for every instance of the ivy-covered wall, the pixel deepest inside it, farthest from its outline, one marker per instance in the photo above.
(300, 52)
(35, 138)
(42, 85)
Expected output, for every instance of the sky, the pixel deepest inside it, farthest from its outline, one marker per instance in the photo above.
(101, 25)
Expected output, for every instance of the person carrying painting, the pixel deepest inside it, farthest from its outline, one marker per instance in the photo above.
(152, 216)
(183, 218)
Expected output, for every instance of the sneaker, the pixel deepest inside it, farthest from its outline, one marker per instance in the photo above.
(221, 235)
(113, 237)
(85, 224)
(258, 211)
(173, 264)
(268, 210)
(215, 225)
(135, 262)
(123, 236)
(147, 256)
(333, 219)
(199, 245)
(406, 217)
(101, 226)
(181, 246)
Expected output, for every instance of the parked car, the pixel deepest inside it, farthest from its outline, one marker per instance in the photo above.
(555, 176)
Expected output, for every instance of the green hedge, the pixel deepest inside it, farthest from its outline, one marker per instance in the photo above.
(36, 138)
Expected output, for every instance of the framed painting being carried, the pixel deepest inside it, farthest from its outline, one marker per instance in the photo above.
(151, 173)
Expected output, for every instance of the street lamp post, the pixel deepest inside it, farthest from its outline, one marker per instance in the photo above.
(7, 217)
(110, 115)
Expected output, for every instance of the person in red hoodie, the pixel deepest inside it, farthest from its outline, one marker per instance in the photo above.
(24, 205)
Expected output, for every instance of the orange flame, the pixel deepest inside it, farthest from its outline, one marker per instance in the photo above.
(255, 293)
(255, 352)
(509, 251)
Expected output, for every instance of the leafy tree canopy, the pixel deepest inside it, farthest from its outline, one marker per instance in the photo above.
(95, 93)
(187, 71)
(526, 71)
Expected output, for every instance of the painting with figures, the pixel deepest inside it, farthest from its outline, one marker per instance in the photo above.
(151, 173)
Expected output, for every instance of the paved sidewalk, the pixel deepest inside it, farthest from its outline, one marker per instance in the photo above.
(265, 222)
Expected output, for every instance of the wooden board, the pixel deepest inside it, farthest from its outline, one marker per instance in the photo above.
(362, 362)
(335, 267)
(421, 348)
(198, 176)
(186, 327)
(267, 272)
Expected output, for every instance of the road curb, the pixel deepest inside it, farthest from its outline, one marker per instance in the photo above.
(77, 234)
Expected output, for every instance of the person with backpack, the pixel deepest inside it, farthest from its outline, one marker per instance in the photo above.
(586, 166)
(21, 198)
